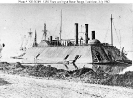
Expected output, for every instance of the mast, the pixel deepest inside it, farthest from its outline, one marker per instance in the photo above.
(29, 40)
(61, 25)
(44, 32)
(30, 33)
(35, 40)
(111, 31)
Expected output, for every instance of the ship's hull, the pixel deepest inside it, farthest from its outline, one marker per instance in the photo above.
(97, 57)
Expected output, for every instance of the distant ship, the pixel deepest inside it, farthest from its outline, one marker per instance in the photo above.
(73, 54)
(1, 47)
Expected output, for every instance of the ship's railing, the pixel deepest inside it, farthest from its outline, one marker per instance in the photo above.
(107, 44)
(70, 42)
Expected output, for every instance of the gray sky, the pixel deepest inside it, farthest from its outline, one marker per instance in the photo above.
(17, 19)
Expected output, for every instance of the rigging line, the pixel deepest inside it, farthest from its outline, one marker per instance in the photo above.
(60, 26)
(49, 33)
(26, 43)
(106, 34)
(56, 28)
(68, 34)
(22, 41)
(116, 33)
(120, 38)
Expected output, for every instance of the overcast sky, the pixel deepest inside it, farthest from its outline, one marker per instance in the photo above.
(17, 19)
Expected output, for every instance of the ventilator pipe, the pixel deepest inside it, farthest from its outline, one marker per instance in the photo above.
(93, 35)
(50, 38)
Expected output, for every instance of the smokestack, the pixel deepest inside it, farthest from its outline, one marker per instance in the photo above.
(76, 34)
(93, 35)
(50, 38)
(86, 33)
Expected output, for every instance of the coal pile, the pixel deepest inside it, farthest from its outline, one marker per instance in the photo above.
(125, 80)
(4, 66)
(86, 75)
(9, 68)
(43, 71)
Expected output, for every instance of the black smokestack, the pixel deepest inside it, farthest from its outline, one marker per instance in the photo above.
(50, 38)
(86, 33)
(76, 36)
(93, 35)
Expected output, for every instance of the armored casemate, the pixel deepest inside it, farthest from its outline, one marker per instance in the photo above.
(73, 54)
